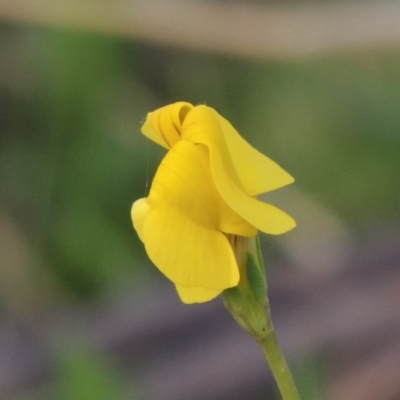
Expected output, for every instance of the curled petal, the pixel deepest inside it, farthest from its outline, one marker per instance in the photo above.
(181, 228)
(257, 173)
(202, 127)
(196, 294)
(164, 125)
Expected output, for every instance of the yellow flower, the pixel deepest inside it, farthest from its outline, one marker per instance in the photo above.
(204, 189)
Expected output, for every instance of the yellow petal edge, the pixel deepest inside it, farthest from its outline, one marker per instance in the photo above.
(204, 188)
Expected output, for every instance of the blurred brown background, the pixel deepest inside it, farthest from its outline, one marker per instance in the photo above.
(314, 85)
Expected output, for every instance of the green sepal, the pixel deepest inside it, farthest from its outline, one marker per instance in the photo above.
(248, 302)
(256, 278)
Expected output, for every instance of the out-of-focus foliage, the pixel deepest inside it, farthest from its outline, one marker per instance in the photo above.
(69, 154)
(308, 374)
(72, 159)
(86, 376)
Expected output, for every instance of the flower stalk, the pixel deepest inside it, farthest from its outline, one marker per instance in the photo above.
(249, 305)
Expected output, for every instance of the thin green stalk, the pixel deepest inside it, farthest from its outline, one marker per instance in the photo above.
(272, 351)
(277, 362)
(249, 305)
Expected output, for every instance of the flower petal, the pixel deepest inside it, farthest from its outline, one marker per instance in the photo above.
(181, 227)
(202, 127)
(257, 173)
(196, 294)
(164, 125)
(139, 211)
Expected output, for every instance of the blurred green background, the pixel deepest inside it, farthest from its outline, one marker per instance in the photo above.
(73, 160)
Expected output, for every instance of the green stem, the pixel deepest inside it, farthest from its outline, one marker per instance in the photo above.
(249, 305)
(277, 362)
